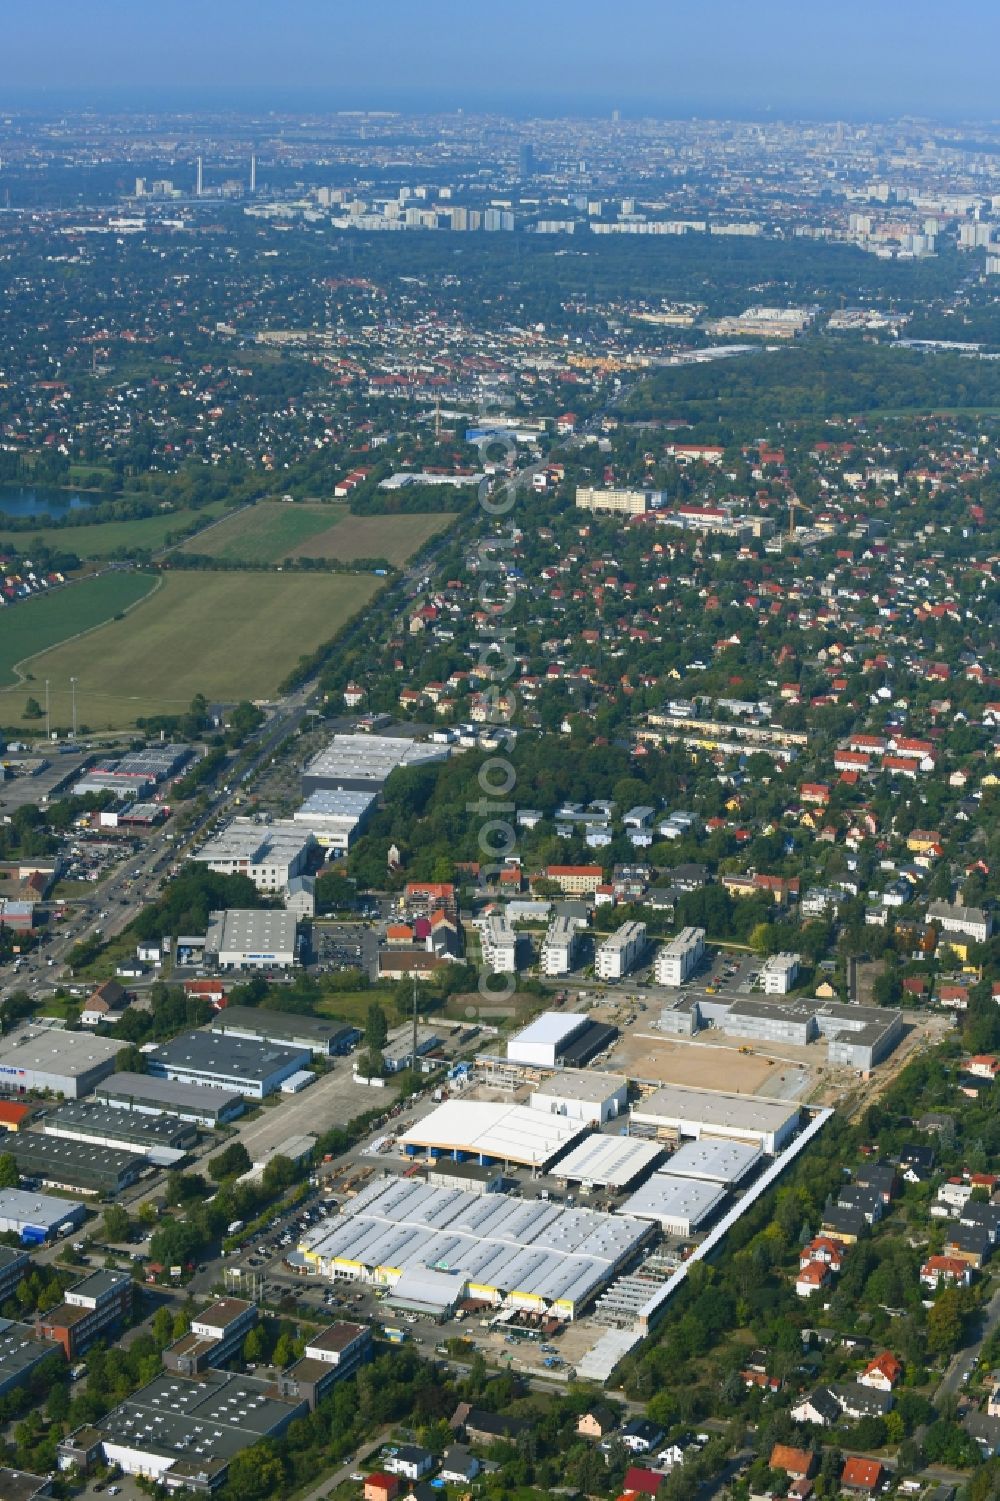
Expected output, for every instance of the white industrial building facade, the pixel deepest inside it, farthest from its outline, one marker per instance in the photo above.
(608, 1161)
(268, 854)
(335, 816)
(676, 1111)
(591, 1097)
(779, 974)
(47, 1059)
(541, 1043)
(363, 762)
(726, 1162)
(218, 1061)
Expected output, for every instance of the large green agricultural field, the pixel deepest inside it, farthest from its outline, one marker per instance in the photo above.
(229, 636)
(103, 539)
(37, 624)
(395, 538)
(264, 533)
(271, 531)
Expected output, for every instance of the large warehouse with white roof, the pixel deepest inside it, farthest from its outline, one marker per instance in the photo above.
(677, 1110)
(363, 762)
(608, 1161)
(511, 1134)
(529, 1254)
(678, 1205)
(580, 1095)
(541, 1042)
(46, 1058)
(726, 1162)
(335, 817)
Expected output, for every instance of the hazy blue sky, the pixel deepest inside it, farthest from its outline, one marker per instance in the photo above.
(848, 57)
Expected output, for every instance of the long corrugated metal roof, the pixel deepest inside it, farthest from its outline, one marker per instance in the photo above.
(608, 1160)
(532, 1247)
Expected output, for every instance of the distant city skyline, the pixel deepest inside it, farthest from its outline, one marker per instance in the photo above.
(721, 57)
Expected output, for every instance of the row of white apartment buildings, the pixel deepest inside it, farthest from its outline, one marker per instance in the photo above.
(619, 953)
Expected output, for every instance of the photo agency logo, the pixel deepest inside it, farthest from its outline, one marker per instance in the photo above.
(496, 663)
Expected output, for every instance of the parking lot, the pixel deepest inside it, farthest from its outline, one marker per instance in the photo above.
(333, 1100)
(344, 945)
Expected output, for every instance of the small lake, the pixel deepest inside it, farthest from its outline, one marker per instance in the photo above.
(39, 500)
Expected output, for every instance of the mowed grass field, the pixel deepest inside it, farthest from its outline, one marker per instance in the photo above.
(271, 531)
(105, 538)
(230, 636)
(264, 533)
(395, 538)
(36, 624)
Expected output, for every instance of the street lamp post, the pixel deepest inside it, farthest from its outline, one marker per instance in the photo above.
(72, 684)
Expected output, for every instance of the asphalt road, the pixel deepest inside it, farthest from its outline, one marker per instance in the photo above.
(965, 1360)
(353, 1466)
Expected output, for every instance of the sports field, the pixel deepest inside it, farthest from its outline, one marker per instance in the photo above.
(37, 624)
(229, 636)
(106, 538)
(264, 533)
(271, 531)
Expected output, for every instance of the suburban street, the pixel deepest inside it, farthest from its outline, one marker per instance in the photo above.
(964, 1362)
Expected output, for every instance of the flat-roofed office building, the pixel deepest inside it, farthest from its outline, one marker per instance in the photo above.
(616, 501)
(269, 854)
(215, 1061)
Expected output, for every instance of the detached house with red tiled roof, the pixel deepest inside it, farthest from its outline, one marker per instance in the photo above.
(812, 1278)
(796, 1463)
(861, 1475)
(883, 1373)
(949, 1271)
